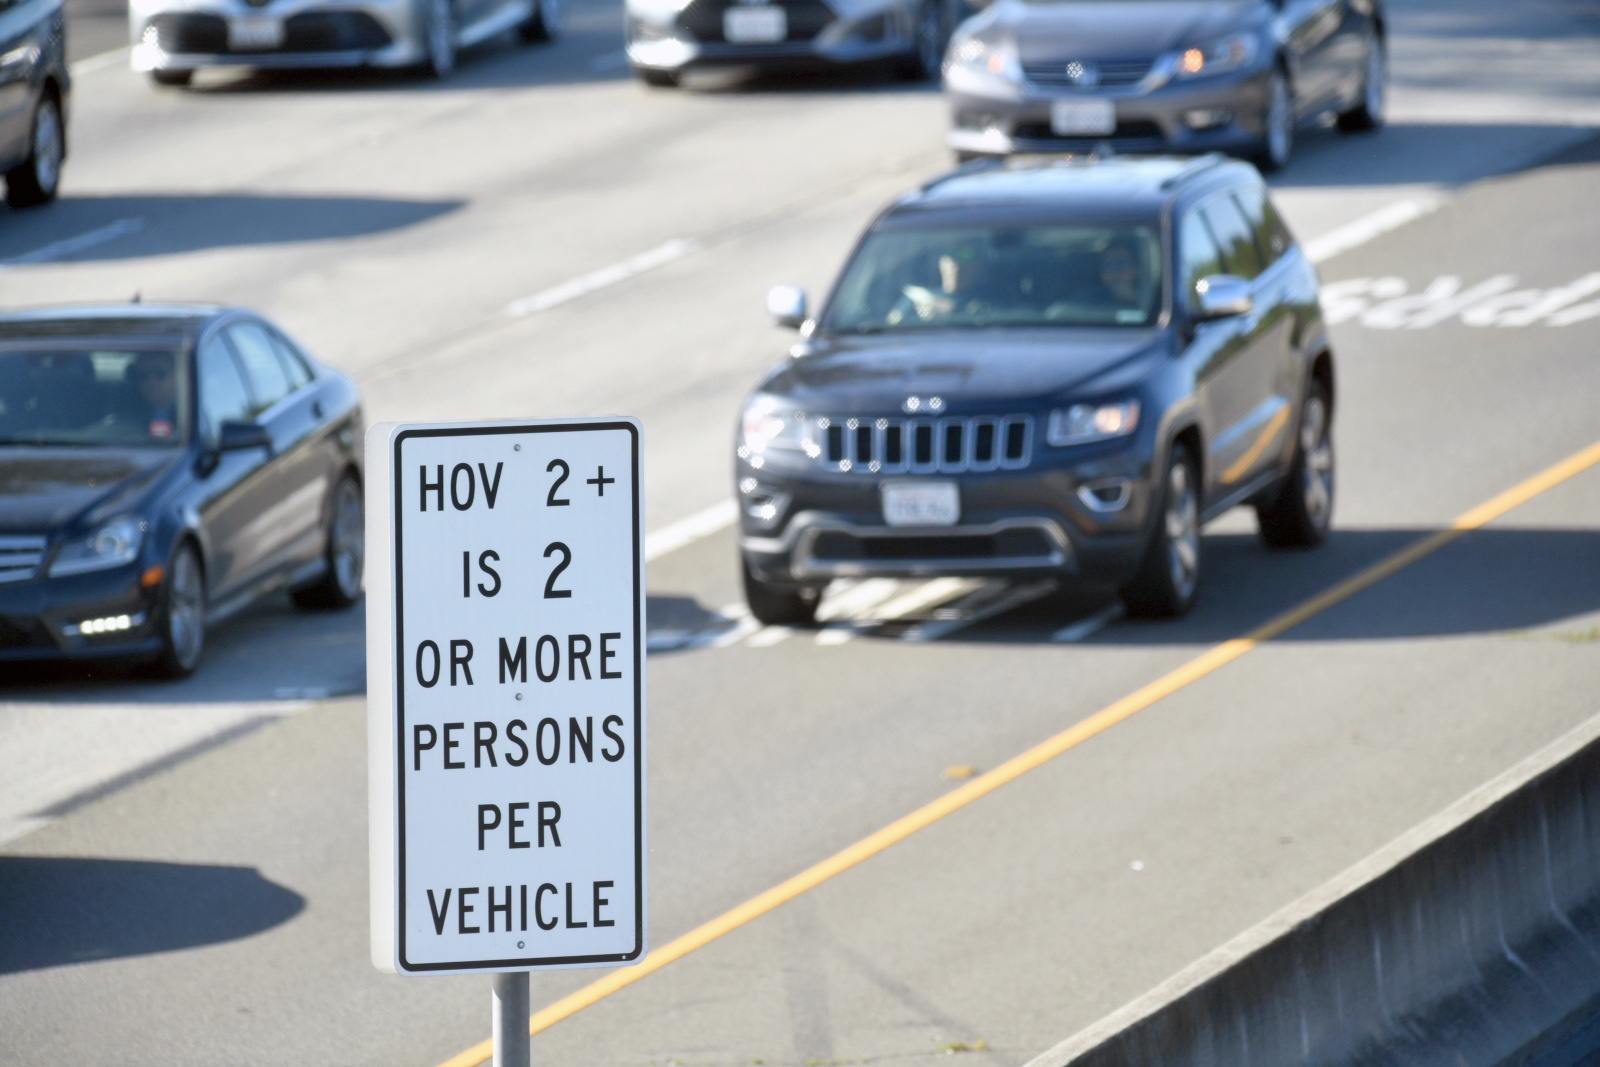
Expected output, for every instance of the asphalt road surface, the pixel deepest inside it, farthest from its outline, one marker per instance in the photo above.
(185, 878)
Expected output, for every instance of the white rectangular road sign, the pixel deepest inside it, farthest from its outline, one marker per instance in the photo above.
(505, 695)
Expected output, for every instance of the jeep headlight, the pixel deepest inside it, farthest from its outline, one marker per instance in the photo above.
(1082, 423)
(112, 545)
(772, 424)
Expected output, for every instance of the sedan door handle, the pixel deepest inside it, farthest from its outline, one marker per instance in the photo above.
(316, 408)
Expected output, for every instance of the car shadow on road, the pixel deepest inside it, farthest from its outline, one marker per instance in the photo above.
(1418, 153)
(79, 229)
(1513, 581)
(62, 910)
(271, 651)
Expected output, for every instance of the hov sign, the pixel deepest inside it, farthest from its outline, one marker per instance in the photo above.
(505, 695)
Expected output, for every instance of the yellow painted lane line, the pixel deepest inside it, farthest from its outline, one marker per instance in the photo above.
(1102, 720)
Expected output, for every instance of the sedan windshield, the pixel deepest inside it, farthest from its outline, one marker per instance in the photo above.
(93, 397)
(1092, 274)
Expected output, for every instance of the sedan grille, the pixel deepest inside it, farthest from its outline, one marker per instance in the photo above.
(947, 446)
(20, 557)
(806, 19)
(1114, 73)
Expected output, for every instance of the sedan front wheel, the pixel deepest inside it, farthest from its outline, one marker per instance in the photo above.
(182, 615)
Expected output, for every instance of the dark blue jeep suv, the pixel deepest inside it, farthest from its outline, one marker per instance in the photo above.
(1043, 368)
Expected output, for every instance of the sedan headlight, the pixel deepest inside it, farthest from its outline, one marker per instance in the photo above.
(973, 61)
(112, 545)
(1216, 57)
(1090, 422)
(772, 424)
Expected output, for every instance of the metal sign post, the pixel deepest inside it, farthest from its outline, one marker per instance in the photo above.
(505, 696)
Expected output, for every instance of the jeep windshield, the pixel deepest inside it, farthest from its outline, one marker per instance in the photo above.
(941, 277)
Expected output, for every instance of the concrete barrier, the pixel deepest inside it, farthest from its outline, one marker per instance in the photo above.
(1472, 939)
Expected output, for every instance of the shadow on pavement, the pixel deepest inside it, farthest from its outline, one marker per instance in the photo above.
(271, 651)
(1487, 581)
(56, 911)
(125, 227)
(1430, 153)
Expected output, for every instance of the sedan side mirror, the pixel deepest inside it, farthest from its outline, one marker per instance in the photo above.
(238, 435)
(1223, 296)
(787, 305)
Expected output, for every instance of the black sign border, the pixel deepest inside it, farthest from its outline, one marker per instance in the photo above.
(400, 711)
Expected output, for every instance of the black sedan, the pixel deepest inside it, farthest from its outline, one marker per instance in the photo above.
(34, 87)
(1163, 75)
(1044, 369)
(160, 468)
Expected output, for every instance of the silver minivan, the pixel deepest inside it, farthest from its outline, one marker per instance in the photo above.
(173, 38)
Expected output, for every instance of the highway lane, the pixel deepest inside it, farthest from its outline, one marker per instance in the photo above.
(962, 932)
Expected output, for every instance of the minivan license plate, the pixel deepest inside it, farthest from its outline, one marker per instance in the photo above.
(1082, 118)
(755, 24)
(255, 34)
(921, 503)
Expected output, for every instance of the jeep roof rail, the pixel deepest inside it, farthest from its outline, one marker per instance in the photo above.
(1196, 166)
(971, 166)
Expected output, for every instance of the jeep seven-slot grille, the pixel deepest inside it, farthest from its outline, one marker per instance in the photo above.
(20, 556)
(951, 445)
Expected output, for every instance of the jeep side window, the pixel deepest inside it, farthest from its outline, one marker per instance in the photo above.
(1234, 237)
(1198, 252)
(1272, 235)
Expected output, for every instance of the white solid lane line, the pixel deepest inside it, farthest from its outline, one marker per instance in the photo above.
(1084, 627)
(688, 530)
(1368, 227)
(102, 61)
(676, 248)
(67, 246)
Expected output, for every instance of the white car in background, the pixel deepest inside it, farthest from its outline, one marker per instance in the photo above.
(173, 38)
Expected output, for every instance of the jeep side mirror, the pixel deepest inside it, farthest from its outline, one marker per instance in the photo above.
(786, 304)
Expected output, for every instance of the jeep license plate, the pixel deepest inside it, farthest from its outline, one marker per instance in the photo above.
(1082, 118)
(755, 24)
(921, 503)
(255, 34)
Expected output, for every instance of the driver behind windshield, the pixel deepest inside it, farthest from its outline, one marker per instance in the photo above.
(962, 272)
(153, 380)
(1120, 273)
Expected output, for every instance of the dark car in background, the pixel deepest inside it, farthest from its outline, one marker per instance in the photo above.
(1043, 369)
(34, 87)
(1236, 76)
(160, 468)
(667, 37)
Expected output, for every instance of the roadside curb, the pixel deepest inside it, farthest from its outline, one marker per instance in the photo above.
(1472, 869)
